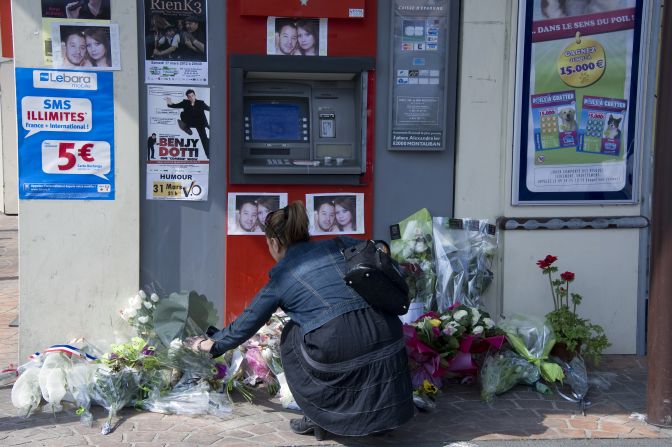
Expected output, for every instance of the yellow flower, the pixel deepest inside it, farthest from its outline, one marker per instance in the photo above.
(434, 322)
(429, 387)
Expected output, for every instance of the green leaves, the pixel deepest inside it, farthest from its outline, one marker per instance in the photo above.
(182, 315)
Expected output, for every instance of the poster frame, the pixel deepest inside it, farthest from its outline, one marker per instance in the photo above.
(629, 194)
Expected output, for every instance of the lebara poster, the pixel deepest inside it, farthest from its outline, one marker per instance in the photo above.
(178, 142)
(577, 129)
(176, 42)
(66, 134)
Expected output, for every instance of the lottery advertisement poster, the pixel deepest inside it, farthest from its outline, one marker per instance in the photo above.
(178, 142)
(66, 134)
(579, 86)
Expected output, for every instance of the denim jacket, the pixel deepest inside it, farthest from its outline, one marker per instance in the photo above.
(307, 283)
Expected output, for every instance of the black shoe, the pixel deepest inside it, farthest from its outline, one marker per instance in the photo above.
(303, 426)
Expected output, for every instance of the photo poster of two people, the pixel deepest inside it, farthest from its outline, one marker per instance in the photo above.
(71, 12)
(329, 213)
(85, 46)
(286, 36)
(247, 211)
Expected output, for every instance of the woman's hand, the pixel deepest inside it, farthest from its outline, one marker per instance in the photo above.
(200, 343)
(72, 10)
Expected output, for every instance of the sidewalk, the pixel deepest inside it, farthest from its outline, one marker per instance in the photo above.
(521, 414)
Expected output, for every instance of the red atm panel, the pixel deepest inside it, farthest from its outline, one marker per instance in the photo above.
(247, 258)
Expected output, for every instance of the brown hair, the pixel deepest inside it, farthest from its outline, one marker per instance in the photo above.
(288, 225)
(347, 202)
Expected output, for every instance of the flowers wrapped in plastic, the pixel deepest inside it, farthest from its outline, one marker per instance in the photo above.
(113, 390)
(533, 340)
(26, 393)
(78, 377)
(52, 380)
(504, 370)
(412, 248)
(464, 250)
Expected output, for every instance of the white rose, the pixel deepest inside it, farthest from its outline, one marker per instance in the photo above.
(135, 302)
(489, 324)
(154, 297)
(147, 304)
(478, 330)
(144, 319)
(460, 314)
(475, 315)
(142, 294)
(130, 313)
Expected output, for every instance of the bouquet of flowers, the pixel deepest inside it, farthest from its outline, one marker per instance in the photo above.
(442, 344)
(139, 313)
(113, 390)
(464, 251)
(503, 371)
(262, 354)
(412, 248)
(533, 340)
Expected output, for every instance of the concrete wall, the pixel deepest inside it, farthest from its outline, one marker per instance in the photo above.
(609, 268)
(182, 243)
(9, 194)
(78, 260)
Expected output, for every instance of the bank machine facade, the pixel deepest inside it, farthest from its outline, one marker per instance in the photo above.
(297, 124)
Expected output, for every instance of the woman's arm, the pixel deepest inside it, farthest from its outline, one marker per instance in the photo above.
(247, 324)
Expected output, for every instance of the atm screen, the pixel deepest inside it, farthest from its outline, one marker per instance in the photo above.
(276, 121)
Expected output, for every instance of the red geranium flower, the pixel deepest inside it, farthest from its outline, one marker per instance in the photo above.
(567, 276)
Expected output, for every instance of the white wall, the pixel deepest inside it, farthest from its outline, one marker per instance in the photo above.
(78, 260)
(606, 262)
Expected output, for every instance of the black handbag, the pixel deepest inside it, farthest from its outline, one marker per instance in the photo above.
(375, 276)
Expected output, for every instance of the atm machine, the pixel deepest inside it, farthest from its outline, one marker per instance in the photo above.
(297, 124)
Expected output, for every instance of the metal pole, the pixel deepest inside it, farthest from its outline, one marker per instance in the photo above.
(659, 390)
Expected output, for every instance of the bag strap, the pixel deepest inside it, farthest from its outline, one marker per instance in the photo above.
(340, 244)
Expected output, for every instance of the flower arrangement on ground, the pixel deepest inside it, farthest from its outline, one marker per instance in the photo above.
(442, 345)
(573, 333)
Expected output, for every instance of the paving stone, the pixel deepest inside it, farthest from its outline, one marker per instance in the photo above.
(201, 438)
(171, 436)
(138, 436)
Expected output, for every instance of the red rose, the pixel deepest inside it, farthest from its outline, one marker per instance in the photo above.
(567, 276)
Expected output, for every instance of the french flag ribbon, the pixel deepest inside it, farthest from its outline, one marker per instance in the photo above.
(66, 349)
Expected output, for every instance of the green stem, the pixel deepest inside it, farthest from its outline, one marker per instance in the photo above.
(555, 301)
(567, 291)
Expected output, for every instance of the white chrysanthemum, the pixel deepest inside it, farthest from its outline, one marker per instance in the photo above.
(130, 312)
(478, 330)
(143, 319)
(154, 297)
(142, 294)
(475, 316)
(489, 324)
(147, 304)
(460, 314)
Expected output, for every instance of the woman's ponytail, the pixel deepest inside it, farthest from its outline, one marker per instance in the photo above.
(288, 225)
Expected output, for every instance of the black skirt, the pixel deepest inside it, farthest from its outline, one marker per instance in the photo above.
(350, 376)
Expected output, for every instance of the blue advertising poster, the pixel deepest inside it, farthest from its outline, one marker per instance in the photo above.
(66, 134)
